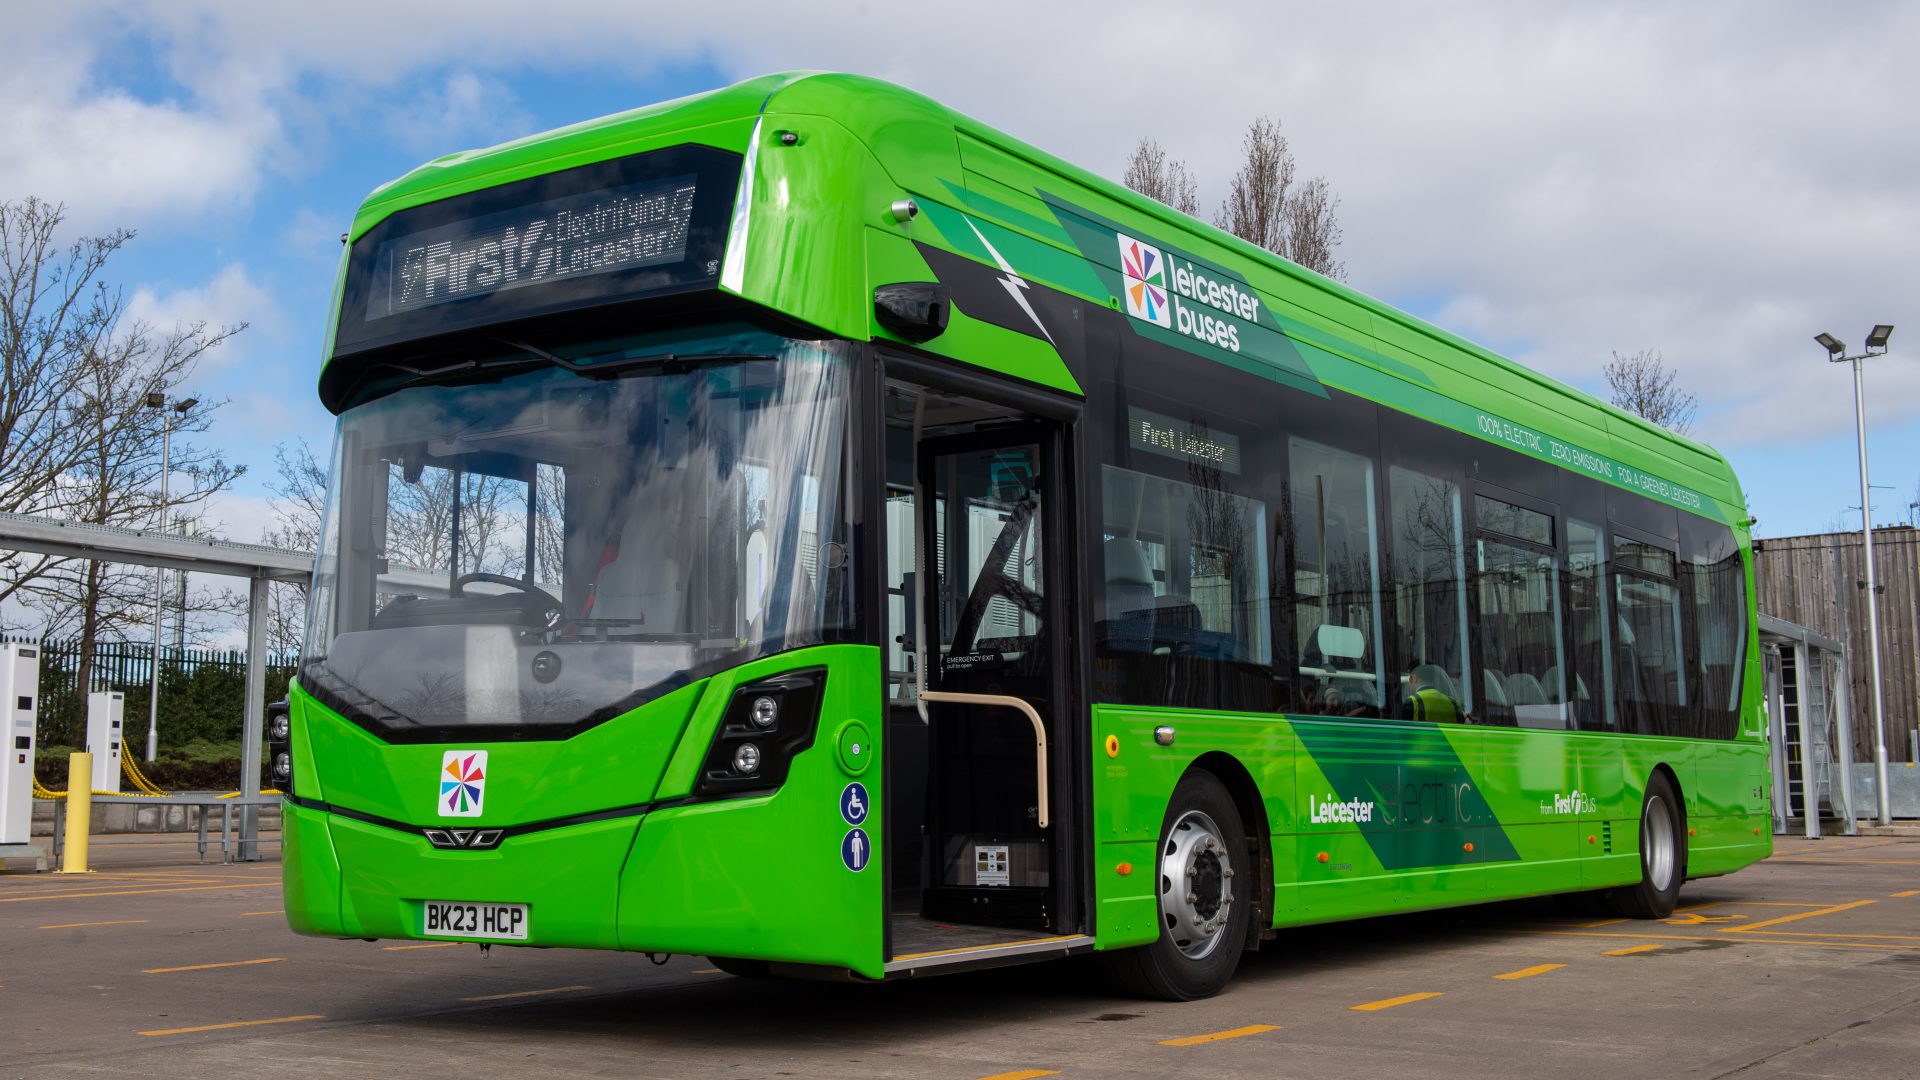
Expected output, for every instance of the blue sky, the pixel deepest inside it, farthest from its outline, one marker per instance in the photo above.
(1719, 182)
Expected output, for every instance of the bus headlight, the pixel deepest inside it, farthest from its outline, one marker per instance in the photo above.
(282, 765)
(746, 759)
(764, 711)
(767, 723)
(280, 729)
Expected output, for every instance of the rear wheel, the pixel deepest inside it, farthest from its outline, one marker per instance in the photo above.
(1204, 905)
(1663, 855)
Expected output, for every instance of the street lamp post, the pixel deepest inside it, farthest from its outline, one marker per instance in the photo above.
(1837, 353)
(158, 400)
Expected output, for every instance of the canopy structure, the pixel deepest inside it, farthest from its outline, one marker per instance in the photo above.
(1810, 743)
(258, 563)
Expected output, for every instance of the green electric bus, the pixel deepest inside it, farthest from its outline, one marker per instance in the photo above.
(800, 525)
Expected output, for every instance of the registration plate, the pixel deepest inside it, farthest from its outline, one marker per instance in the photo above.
(468, 919)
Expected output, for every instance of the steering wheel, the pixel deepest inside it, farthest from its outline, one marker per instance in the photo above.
(551, 606)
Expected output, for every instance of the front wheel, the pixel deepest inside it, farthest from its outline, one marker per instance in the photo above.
(1204, 904)
(1663, 855)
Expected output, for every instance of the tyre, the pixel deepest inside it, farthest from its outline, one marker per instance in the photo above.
(741, 969)
(1204, 905)
(1663, 855)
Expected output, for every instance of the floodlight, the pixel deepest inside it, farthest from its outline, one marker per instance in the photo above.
(183, 406)
(156, 400)
(1877, 337)
(1834, 346)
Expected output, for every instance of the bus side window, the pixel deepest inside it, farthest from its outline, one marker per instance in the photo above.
(1336, 581)
(1651, 685)
(1430, 598)
(1591, 687)
(1517, 581)
(1717, 590)
(1185, 617)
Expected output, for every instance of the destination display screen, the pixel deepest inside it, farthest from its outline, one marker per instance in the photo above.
(599, 232)
(591, 236)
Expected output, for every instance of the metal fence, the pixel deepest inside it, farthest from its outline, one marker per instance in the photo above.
(202, 691)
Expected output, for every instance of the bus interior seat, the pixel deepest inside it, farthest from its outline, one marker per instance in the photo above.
(1130, 599)
(1523, 689)
(1494, 685)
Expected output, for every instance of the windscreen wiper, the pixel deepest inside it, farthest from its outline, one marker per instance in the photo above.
(667, 363)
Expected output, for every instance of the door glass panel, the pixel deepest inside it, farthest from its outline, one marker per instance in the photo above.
(987, 562)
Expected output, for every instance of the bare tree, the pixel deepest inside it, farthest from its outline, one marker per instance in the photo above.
(77, 439)
(299, 508)
(1151, 173)
(1265, 207)
(1643, 385)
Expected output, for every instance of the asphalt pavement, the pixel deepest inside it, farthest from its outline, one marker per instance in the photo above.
(1807, 965)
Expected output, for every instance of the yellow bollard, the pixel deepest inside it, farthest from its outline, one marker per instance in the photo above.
(79, 812)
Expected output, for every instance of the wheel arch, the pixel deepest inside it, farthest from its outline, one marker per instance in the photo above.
(1234, 776)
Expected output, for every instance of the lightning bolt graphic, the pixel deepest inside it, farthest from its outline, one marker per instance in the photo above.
(1015, 285)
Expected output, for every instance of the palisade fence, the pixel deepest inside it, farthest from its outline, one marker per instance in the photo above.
(202, 691)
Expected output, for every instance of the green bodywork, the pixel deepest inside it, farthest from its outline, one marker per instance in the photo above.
(760, 876)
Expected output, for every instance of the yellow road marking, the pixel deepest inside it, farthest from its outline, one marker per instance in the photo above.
(706, 971)
(1698, 907)
(1235, 1033)
(978, 948)
(207, 967)
(73, 925)
(1630, 950)
(527, 993)
(1404, 999)
(235, 1024)
(1760, 940)
(280, 911)
(1802, 915)
(1856, 937)
(1602, 922)
(1691, 919)
(1909, 892)
(138, 892)
(1023, 1074)
(1528, 973)
(430, 945)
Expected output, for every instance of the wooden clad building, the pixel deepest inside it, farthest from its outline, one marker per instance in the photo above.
(1817, 582)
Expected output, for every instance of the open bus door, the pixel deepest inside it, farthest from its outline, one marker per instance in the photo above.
(981, 844)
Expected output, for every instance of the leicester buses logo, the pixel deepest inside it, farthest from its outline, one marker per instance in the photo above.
(1145, 271)
(463, 782)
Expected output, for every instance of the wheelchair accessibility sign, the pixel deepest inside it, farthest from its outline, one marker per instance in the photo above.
(855, 850)
(853, 803)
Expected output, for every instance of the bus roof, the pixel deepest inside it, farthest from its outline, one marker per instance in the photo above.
(935, 152)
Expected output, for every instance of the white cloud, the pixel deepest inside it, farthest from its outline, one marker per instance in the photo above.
(230, 298)
(463, 109)
(70, 134)
(1718, 180)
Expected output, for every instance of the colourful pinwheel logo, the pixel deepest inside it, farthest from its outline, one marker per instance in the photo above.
(1144, 269)
(463, 782)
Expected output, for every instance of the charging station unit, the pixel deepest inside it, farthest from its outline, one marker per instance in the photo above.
(105, 711)
(19, 706)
